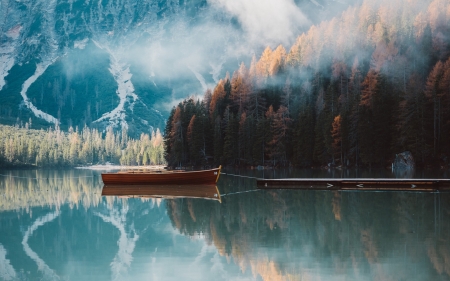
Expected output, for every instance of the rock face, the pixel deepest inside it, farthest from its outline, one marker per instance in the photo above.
(404, 160)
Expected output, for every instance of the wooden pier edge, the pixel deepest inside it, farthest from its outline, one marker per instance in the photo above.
(344, 184)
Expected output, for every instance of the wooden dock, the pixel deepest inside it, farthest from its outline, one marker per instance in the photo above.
(369, 184)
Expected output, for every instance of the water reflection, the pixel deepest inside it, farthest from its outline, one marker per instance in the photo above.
(62, 228)
(127, 241)
(7, 272)
(297, 235)
(48, 274)
(25, 189)
(163, 191)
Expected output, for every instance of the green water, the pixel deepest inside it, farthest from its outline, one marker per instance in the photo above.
(55, 225)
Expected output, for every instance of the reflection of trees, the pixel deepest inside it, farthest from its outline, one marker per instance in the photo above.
(26, 189)
(289, 235)
(53, 188)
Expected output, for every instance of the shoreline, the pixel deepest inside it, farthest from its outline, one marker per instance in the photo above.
(120, 167)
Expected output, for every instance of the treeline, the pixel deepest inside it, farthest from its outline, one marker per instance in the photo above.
(352, 91)
(55, 148)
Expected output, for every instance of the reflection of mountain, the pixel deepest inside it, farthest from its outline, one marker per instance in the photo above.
(61, 228)
(48, 273)
(291, 235)
(126, 243)
(7, 272)
(69, 229)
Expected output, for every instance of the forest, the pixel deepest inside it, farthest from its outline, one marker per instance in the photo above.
(22, 146)
(352, 91)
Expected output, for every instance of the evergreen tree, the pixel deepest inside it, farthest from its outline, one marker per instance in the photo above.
(304, 138)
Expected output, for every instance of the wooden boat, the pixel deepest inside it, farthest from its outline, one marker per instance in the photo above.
(162, 177)
(203, 191)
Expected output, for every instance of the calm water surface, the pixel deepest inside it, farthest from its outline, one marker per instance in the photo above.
(55, 225)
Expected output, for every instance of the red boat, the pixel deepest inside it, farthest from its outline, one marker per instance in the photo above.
(162, 177)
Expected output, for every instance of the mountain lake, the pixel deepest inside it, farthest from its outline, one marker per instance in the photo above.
(56, 225)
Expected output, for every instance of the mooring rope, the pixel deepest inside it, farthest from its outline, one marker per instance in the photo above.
(47, 178)
(239, 192)
(238, 175)
(232, 193)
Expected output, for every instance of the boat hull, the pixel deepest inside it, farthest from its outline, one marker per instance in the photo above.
(180, 178)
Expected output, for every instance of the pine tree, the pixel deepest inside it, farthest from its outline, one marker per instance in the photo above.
(304, 138)
(196, 140)
(433, 99)
(177, 138)
(218, 141)
(279, 132)
(230, 153)
(271, 143)
(240, 89)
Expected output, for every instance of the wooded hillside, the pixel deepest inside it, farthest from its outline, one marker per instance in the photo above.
(352, 91)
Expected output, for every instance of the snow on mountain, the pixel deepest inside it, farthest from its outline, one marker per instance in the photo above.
(125, 91)
(181, 46)
(6, 63)
(40, 68)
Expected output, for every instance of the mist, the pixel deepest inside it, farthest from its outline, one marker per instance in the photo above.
(266, 22)
(190, 53)
(177, 49)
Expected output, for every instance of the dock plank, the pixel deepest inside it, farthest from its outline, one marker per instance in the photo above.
(364, 184)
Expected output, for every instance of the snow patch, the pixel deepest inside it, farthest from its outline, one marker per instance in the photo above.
(145, 122)
(317, 4)
(47, 58)
(157, 111)
(6, 63)
(40, 68)
(200, 79)
(14, 32)
(7, 49)
(125, 90)
(81, 44)
(216, 69)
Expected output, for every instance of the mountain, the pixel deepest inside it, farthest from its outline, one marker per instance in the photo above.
(125, 63)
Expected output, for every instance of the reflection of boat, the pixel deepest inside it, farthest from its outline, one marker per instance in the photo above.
(204, 191)
(162, 177)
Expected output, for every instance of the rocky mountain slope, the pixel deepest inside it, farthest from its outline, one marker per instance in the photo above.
(125, 63)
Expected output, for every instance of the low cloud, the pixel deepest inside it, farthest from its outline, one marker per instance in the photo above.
(192, 55)
(266, 22)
